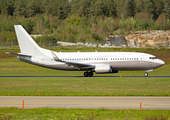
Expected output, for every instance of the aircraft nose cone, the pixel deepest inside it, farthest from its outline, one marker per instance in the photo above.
(157, 63)
(161, 63)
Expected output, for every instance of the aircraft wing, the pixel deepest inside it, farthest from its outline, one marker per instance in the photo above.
(78, 65)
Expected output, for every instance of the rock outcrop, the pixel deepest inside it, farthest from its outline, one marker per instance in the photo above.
(141, 39)
(116, 40)
(149, 39)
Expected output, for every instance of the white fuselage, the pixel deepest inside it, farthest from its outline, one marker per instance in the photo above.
(117, 60)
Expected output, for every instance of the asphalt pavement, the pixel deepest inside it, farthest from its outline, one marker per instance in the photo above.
(86, 102)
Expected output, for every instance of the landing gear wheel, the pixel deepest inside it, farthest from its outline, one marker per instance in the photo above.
(146, 74)
(90, 74)
(86, 74)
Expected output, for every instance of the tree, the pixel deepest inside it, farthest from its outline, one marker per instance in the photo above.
(109, 8)
(160, 23)
(38, 5)
(98, 8)
(47, 6)
(148, 6)
(31, 8)
(119, 5)
(20, 8)
(158, 8)
(128, 9)
(7, 7)
(139, 7)
(166, 9)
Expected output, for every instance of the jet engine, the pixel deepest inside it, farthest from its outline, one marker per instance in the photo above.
(103, 69)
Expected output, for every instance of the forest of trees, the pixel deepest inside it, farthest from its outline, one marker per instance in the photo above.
(82, 20)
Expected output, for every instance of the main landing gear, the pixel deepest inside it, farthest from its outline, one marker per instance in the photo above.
(88, 74)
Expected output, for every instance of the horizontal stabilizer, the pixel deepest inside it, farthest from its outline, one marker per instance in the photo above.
(18, 54)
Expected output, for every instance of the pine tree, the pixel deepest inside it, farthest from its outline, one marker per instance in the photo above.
(7, 7)
(119, 5)
(166, 9)
(139, 7)
(158, 8)
(98, 7)
(148, 6)
(128, 9)
(20, 8)
(31, 8)
(109, 8)
(38, 5)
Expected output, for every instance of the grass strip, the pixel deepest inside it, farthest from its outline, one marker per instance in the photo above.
(85, 86)
(82, 114)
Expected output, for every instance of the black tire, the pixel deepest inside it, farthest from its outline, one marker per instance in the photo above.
(90, 74)
(86, 74)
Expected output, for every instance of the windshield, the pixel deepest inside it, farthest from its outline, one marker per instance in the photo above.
(152, 58)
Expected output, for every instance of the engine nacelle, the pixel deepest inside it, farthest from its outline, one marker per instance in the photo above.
(103, 69)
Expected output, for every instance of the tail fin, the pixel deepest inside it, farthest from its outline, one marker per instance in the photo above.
(26, 43)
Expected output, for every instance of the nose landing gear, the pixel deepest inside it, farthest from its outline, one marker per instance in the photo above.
(146, 74)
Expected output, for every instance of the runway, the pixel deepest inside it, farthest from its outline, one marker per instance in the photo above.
(86, 102)
(83, 77)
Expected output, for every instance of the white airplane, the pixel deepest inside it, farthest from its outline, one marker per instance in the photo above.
(98, 62)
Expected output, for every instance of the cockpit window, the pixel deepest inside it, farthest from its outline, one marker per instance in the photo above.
(152, 58)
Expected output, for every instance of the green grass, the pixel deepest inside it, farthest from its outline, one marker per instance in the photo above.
(11, 66)
(81, 114)
(85, 86)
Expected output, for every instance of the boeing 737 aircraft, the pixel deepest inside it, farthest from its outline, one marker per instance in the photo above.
(98, 62)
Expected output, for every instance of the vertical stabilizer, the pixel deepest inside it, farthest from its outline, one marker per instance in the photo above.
(26, 43)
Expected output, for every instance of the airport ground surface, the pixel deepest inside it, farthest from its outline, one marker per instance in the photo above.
(21, 81)
(87, 102)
